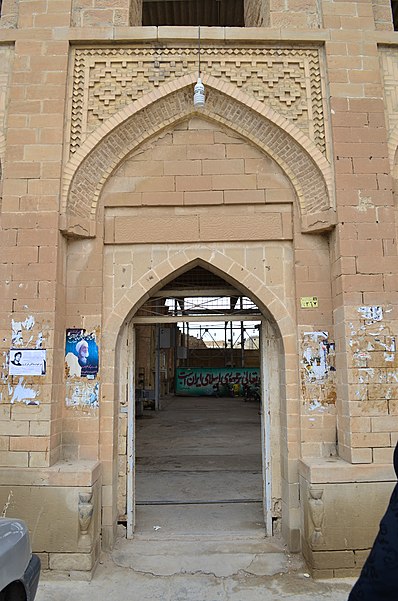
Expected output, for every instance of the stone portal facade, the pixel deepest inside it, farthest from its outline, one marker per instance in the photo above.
(111, 184)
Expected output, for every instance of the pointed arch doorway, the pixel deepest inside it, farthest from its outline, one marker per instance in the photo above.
(193, 302)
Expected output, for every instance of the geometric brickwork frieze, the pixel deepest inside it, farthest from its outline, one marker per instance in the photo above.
(9, 14)
(86, 181)
(389, 60)
(6, 54)
(288, 80)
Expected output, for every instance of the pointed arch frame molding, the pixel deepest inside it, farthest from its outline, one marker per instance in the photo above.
(180, 261)
(2, 153)
(85, 175)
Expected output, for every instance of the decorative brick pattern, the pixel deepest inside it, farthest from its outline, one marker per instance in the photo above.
(304, 174)
(287, 80)
(194, 164)
(264, 138)
(6, 53)
(389, 59)
(9, 14)
(382, 14)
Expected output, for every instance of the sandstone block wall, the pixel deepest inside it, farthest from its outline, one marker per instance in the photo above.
(299, 133)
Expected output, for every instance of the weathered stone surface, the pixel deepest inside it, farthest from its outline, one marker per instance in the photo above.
(112, 183)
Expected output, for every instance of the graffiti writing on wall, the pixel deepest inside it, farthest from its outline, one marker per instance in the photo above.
(318, 370)
(197, 381)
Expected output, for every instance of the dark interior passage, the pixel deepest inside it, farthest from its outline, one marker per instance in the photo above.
(216, 13)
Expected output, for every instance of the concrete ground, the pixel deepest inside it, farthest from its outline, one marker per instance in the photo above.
(197, 570)
(199, 522)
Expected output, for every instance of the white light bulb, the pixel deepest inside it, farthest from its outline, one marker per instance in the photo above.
(199, 94)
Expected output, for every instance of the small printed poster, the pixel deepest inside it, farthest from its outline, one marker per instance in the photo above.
(27, 362)
(81, 354)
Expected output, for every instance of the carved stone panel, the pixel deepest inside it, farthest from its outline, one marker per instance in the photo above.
(288, 80)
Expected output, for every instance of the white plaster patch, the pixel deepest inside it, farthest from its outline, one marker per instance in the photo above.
(18, 327)
(82, 394)
(371, 312)
(364, 203)
(389, 345)
(318, 370)
(4, 368)
(316, 405)
(361, 394)
(22, 394)
(368, 376)
(315, 336)
(315, 356)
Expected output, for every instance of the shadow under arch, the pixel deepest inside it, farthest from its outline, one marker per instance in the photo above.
(306, 167)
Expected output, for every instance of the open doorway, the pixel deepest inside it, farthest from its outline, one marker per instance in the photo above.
(199, 418)
(198, 466)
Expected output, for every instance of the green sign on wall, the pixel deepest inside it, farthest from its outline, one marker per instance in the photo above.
(213, 381)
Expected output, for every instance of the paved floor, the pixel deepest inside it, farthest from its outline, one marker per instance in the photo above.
(199, 522)
(199, 468)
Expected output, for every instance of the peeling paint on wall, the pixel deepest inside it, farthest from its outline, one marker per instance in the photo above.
(23, 362)
(371, 313)
(374, 359)
(39, 340)
(82, 394)
(18, 328)
(23, 394)
(318, 370)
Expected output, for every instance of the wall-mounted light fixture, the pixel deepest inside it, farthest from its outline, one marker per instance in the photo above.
(199, 90)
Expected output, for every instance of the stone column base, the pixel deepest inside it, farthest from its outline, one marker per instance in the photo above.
(61, 505)
(342, 505)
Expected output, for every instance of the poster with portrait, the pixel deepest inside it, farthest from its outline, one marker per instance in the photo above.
(27, 362)
(81, 354)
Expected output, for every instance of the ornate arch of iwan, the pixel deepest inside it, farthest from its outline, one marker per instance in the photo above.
(90, 167)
